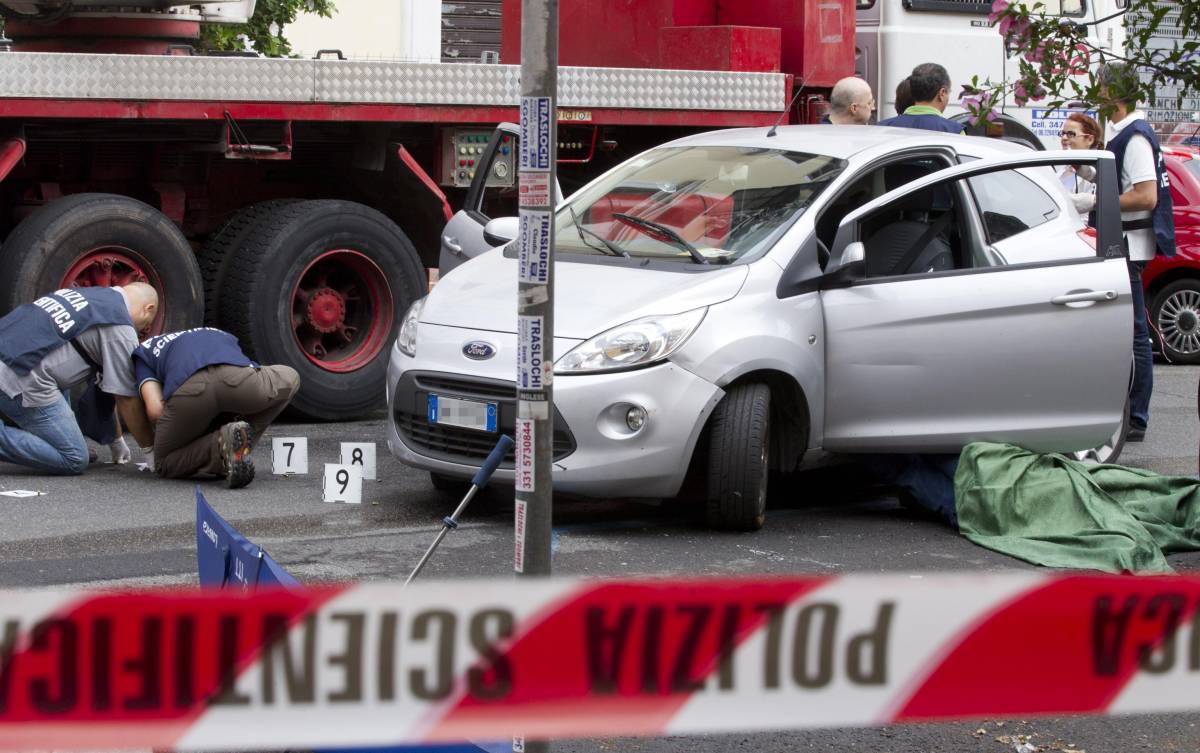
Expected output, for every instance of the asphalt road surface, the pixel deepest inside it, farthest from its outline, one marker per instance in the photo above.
(118, 526)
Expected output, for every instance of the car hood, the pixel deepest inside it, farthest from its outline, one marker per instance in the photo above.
(588, 298)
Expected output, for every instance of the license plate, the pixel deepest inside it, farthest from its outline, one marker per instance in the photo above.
(467, 414)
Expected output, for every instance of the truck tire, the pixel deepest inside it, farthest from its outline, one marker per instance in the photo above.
(738, 459)
(96, 239)
(222, 246)
(321, 286)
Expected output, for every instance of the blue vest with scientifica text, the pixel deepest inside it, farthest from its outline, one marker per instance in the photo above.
(172, 358)
(29, 332)
(1162, 220)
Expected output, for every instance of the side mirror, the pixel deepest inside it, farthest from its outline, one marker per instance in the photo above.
(851, 266)
(502, 230)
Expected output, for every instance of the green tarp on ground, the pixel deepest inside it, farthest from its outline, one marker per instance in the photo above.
(1049, 510)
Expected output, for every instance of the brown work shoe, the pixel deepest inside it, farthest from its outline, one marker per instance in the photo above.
(235, 441)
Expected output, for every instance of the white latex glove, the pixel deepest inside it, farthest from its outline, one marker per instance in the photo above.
(120, 451)
(1084, 202)
(148, 465)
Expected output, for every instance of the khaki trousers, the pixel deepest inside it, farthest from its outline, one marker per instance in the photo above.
(186, 435)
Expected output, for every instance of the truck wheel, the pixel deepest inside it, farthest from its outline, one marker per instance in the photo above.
(228, 240)
(321, 286)
(1175, 314)
(95, 239)
(738, 452)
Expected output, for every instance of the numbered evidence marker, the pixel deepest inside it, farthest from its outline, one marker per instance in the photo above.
(361, 454)
(289, 455)
(343, 483)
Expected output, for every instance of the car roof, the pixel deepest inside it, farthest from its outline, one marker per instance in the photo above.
(849, 142)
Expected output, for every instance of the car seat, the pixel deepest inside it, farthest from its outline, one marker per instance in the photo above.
(913, 243)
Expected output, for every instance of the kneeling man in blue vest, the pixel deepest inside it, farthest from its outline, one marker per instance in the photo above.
(192, 399)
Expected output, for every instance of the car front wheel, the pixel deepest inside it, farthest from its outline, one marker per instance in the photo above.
(1175, 314)
(738, 459)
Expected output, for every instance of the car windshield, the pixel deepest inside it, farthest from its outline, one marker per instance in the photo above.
(694, 204)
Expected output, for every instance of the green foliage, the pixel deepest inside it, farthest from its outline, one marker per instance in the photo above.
(1058, 62)
(265, 29)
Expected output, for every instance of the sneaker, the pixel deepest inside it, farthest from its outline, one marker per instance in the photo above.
(235, 441)
(1136, 433)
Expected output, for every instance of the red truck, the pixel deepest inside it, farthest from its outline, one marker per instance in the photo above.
(298, 202)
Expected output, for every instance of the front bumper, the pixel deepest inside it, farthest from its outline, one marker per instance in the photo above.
(595, 453)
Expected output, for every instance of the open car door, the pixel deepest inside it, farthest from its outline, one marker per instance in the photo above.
(968, 305)
(493, 189)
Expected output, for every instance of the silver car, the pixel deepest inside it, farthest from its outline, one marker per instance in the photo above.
(736, 303)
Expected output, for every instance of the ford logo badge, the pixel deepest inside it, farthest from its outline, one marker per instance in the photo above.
(479, 350)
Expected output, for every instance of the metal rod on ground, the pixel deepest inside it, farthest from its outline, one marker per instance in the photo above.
(479, 481)
(535, 298)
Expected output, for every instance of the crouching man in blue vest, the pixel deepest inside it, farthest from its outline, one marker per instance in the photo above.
(208, 402)
(61, 340)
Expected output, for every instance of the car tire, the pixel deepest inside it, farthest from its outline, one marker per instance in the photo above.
(1175, 318)
(738, 459)
(321, 286)
(222, 246)
(1110, 451)
(102, 239)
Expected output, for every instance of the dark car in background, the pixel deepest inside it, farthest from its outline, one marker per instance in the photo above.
(1173, 284)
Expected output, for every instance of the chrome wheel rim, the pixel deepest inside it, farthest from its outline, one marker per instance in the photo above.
(1179, 322)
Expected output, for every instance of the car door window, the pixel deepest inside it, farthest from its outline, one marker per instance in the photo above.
(872, 184)
(925, 231)
(1010, 203)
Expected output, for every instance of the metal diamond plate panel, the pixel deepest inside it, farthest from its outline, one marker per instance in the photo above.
(138, 77)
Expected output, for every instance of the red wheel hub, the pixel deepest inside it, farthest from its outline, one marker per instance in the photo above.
(114, 266)
(326, 311)
(342, 310)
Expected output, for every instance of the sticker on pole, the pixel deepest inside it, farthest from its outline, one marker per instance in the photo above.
(533, 249)
(361, 454)
(524, 455)
(289, 455)
(343, 483)
(532, 372)
(520, 510)
(534, 190)
(536, 123)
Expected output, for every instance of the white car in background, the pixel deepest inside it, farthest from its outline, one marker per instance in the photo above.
(738, 303)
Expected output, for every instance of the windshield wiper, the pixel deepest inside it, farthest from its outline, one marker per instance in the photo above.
(612, 247)
(661, 233)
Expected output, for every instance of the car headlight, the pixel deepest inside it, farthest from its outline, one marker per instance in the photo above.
(406, 341)
(631, 345)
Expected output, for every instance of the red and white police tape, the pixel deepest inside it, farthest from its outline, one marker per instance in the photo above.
(374, 665)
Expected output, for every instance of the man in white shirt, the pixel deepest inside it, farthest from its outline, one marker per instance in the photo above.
(1146, 218)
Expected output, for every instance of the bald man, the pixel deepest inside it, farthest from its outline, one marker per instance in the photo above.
(851, 103)
(61, 340)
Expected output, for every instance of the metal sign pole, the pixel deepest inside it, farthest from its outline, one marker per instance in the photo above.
(535, 297)
(535, 290)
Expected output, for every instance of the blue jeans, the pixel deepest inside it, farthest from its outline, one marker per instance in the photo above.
(48, 439)
(1143, 356)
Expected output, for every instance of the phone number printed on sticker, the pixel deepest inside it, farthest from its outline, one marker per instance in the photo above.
(536, 123)
(524, 455)
(534, 190)
(533, 248)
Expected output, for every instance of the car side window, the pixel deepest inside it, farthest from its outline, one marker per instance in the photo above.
(870, 186)
(1010, 203)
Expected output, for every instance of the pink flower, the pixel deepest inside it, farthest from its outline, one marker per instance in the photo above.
(998, 9)
(1014, 30)
(1020, 94)
(1037, 53)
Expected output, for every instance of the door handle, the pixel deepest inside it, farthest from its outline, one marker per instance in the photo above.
(1084, 296)
(452, 245)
